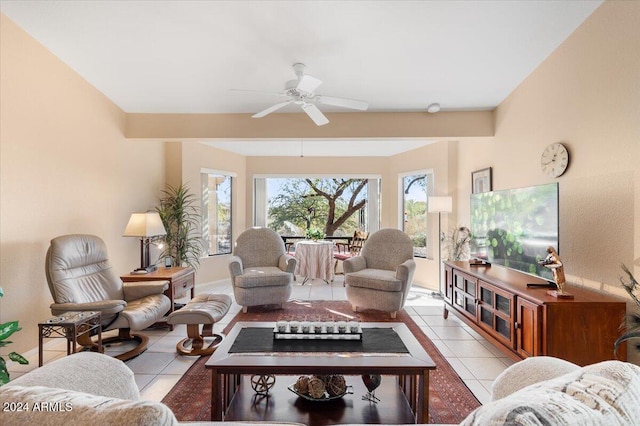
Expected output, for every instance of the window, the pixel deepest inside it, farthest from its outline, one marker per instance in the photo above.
(216, 211)
(336, 206)
(415, 189)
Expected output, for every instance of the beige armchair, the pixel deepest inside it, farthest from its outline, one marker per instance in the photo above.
(261, 271)
(81, 278)
(380, 278)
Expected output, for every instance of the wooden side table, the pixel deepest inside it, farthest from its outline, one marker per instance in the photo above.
(181, 280)
(70, 326)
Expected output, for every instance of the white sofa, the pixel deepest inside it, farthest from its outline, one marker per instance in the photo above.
(90, 388)
(551, 391)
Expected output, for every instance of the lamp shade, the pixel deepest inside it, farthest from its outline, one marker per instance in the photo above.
(146, 224)
(440, 204)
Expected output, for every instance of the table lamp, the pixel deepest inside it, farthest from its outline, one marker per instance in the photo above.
(145, 226)
(440, 205)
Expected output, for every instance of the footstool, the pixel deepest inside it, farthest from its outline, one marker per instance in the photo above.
(205, 309)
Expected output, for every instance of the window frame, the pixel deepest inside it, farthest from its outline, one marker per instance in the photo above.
(205, 174)
(429, 190)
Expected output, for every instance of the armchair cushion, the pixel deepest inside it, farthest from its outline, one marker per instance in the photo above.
(377, 279)
(104, 306)
(142, 313)
(264, 276)
(140, 289)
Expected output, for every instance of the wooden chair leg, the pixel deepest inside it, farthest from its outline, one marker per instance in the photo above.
(207, 330)
(197, 342)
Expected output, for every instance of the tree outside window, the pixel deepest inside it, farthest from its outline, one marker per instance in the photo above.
(414, 211)
(336, 206)
(216, 212)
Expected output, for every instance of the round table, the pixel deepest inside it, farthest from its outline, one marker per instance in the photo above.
(314, 260)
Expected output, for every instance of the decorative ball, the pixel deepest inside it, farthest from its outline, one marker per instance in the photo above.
(324, 377)
(336, 385)
(302, 385)
(261, 384)
(316, 388)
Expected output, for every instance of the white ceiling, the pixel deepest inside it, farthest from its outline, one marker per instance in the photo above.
(186, 56)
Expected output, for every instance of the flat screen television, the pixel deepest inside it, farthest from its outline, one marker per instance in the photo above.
(514, 227)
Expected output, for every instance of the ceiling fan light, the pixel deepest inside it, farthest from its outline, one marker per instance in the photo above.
(433, 108)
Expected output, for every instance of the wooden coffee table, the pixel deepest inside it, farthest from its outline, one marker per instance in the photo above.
(231, 394)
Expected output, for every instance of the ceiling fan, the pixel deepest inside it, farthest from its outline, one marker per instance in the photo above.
(302, 92)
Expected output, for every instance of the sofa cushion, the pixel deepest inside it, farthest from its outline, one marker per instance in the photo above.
(43, 406)
(607, 393)
(377, 279)
(88, 372)
(532, 370)
(263, 276)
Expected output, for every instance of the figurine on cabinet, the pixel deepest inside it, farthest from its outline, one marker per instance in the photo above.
(554, 263)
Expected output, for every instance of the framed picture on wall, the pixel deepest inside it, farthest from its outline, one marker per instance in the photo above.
(481, 181)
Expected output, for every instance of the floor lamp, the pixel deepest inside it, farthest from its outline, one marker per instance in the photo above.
(439, 205)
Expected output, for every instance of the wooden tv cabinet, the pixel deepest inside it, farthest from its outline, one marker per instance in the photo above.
(523, 321)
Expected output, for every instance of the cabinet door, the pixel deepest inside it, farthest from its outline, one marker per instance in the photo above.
(496, 313)
(528, 328)
(464, 294)
(448, 284)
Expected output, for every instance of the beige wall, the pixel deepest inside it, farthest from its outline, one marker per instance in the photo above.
(298, 125)
(586, 95)
(65, 168)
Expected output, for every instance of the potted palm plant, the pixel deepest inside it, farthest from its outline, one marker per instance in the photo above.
(181, 218)
(632, 321)
(6, 330)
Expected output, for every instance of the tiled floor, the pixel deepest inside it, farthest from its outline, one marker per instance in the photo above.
(158, 369)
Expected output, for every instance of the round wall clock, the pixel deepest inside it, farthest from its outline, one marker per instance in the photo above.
(554, 160)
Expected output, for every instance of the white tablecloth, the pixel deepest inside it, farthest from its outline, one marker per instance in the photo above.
(315, 259)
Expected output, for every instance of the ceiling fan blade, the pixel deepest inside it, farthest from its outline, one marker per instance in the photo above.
(343, 102)
(315, 114)
(270, 109)
(261, 92)
(308, 84)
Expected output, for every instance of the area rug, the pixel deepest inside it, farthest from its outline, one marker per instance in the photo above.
(450, 401)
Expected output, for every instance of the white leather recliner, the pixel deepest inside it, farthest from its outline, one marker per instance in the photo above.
(81, 278)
